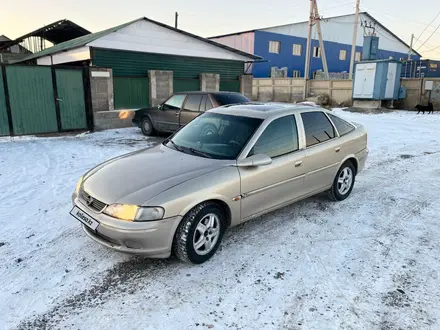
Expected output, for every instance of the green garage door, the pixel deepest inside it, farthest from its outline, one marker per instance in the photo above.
(232, 85)
(186, 85)
(131, 92)
(4, 123)
(32, 101)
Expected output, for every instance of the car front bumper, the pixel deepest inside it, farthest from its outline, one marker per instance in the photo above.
(153, 239)
(136, 122)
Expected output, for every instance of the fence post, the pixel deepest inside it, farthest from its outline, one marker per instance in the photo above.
(7, 101)
(57, 100)
(88, 97)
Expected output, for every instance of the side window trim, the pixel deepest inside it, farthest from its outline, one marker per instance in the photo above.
(210, 99)
(264, 129)
(334, 125)
(319, 143)
(337, 135)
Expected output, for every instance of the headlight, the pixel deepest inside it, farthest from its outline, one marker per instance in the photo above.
(150, 213)
(134, 212)
(78, 185)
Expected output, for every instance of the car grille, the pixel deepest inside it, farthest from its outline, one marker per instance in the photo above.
(91, 202)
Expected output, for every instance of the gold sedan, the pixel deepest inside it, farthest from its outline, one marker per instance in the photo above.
(227, 166)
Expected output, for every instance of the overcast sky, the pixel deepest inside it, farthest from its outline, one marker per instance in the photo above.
(208, 17)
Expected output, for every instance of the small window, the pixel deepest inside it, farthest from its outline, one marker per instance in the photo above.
(391, 57)
(193, 103)
(342, 54)
(297, 49)
(358, 56)
(317, 127)
(279, 138)
(274, 47)
(316, 51)
(433, 65)
(174, 102)
(296, 74)
(342, 126)
(230, 98)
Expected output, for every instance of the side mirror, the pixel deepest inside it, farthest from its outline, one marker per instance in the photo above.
(254, 161)
(159, 107)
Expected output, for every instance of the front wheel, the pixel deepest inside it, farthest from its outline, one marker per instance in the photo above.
(147, 126)
(200, 233)
(343, 183)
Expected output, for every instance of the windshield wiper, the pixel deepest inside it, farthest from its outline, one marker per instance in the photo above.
(200, 153)
(176, 146)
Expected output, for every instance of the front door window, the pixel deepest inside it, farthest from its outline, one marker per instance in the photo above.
(174, 102)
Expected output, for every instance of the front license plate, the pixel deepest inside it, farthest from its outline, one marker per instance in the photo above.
(84, 218)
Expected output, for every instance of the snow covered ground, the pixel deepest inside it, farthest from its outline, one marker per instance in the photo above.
(370, 262)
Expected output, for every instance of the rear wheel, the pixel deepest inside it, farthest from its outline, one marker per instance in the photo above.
(343, 183)
(200, 233)
(147, 127)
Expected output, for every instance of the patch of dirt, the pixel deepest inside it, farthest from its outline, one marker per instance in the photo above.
(128, 276)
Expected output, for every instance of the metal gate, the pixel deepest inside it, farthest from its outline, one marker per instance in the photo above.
(71, 99)
(43, 99)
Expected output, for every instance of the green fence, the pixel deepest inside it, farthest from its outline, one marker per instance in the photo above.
(131, 92)
(32, 99)
(4, 123)
(42, 99)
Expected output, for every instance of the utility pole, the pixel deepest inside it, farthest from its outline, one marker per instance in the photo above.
(353, 46)
(176, 17)
(411, 47)
(309, 40)
(321, 42)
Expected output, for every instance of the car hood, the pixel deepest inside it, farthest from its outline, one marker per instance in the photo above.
(137, 177)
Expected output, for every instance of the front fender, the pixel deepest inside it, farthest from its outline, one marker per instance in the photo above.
(222, 185)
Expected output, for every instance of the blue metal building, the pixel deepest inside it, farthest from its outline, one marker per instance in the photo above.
(285, 45)
(421, 69)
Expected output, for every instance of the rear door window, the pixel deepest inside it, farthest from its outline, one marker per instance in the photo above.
(317, 127)
(341, 125)
(193, 102)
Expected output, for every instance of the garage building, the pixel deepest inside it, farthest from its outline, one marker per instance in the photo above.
(132, 51)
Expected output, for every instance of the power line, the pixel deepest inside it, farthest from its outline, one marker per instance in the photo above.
(438, 26)
(427, 26)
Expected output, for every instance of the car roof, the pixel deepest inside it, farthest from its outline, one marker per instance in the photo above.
(265, 110)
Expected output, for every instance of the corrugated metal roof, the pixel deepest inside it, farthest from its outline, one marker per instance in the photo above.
(84, 40)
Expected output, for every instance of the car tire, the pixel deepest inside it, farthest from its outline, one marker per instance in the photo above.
(147, 127)
(199, 234)
(343, 183)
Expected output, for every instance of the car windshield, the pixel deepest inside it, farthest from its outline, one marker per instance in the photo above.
(230, 98)
(214, 135)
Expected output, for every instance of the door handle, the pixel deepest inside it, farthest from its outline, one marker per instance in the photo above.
(337, 149)
(177, 114)
(298, 163)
